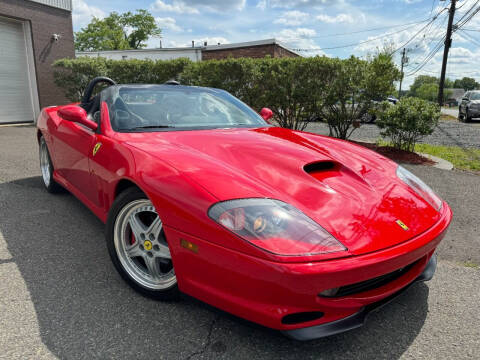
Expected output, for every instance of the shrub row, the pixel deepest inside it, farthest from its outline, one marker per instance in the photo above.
(338, 91)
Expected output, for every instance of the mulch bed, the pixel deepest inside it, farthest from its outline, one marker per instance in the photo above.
(399, 156)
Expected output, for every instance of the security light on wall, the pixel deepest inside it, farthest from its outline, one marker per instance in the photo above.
(56, 37)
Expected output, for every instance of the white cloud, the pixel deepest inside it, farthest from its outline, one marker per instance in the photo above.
(460, 52)
(298, 33)
(340, 18)
(300, 38)
(192, 6)
(218, 5)
(83, 13)
(176, 6)
(292, 18)
(168, 23)
(262, 4)
(302, 3)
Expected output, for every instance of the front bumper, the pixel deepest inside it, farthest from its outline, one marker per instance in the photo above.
(271, 293)
(475, 113)
(358, 319)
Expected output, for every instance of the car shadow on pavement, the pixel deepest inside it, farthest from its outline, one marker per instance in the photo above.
(85, 310)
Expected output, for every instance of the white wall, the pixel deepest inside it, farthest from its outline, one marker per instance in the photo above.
(153, 54)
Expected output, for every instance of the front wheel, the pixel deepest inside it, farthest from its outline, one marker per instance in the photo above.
(46, 167)
(468, 117)
(138, 246)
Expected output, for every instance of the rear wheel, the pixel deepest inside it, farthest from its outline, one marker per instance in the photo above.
(138, 246)
(46, 167)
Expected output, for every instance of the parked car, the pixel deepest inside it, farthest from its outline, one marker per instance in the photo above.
(469, 107)
(392, 99)
(295, 231)
(371, 115)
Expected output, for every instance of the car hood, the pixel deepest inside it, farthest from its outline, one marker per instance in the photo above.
(474, 101)
(351, 191)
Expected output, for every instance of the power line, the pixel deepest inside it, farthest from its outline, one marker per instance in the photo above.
(460, 23)
(434, 33)
(467, 37)
(427, 58)
(361, 42)
(466, 13)
(418, 32)
(367, 30)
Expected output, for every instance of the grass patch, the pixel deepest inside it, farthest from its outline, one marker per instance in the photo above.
(471, 264)
(446, 117)
(461, 158)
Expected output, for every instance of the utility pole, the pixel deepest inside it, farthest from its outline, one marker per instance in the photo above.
(448, 44)
(404, 61)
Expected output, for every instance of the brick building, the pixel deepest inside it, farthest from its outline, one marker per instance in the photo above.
(33, 34)
(252, 49)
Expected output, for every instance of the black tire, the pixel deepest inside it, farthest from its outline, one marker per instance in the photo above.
(125, 198)
(468, 118)
(46, 165)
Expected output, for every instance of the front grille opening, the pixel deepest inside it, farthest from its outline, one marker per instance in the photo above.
(370, 284)
(297, 318)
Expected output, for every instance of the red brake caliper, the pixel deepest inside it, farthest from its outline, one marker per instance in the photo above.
(132, 238)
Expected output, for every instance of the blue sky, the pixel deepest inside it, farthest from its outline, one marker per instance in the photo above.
(314, 27)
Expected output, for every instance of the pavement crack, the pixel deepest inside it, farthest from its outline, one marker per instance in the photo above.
(208, 340)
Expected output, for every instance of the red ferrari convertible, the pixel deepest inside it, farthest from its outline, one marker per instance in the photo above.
(295, 231)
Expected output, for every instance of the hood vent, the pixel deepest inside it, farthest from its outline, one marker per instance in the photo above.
(319, 166)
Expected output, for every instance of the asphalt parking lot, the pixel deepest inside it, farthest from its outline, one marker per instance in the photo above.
(60, 296)
(448, 133)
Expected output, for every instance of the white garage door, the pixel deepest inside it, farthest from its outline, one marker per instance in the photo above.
(15, 95)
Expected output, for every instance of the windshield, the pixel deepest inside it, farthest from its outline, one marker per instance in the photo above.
(475, 96)
(172, 107)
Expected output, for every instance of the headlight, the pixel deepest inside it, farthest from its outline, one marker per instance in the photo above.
(419, 187)
(274, 226)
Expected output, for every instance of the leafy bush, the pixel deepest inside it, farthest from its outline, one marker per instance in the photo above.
(355, 85)
(296, 89)
(408, 121)
(291, 87)
(239, 77)
(73, 75)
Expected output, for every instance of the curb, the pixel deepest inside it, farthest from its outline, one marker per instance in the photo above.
(440, 163)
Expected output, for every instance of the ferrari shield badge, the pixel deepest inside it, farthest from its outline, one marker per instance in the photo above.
(402, 225)
(96, 148)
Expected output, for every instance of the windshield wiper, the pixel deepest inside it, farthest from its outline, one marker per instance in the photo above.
(149, 127)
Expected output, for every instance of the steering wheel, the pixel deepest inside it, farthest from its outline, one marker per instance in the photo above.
(91, 86)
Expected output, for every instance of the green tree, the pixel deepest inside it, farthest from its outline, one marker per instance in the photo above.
(429, 92)
(117, 32)
(466, 83)
(355, 85)
(421, 80)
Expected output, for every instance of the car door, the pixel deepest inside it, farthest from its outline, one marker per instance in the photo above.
(73, 144)
(463, 103)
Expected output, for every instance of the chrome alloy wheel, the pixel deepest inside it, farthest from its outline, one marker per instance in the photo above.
(141, 246)
(45, 163)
